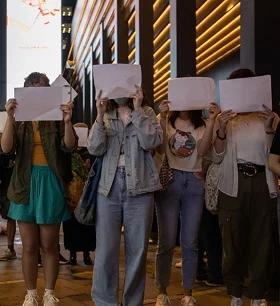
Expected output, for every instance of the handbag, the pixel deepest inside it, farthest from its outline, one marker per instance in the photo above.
(86, 208)
(165, 173)
(211, 188)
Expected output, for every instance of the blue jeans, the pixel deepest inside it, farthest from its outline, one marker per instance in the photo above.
(184, 197)
(136, 214)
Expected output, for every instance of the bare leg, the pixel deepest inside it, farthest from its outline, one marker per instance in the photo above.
(49, 238)
(30, 241)
(11, 232)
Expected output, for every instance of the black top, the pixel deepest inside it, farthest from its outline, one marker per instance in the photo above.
(275, 148)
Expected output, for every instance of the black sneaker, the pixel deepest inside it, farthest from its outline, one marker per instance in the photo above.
(87, 259)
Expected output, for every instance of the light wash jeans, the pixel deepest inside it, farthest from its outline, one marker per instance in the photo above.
(136, 214)
(184, 197)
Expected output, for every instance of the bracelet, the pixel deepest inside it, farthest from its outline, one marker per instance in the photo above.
(219, 137)
(270, 132)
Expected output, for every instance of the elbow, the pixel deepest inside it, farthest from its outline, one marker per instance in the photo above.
(6, 149)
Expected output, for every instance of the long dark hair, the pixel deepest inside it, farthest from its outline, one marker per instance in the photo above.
(195, 118)
(241, 73)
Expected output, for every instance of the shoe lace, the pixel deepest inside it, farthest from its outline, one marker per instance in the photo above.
(51, 298)
(164, 299)
(190, 300)
(30, 298)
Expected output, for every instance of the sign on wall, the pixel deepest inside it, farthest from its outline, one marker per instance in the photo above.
(33, 40)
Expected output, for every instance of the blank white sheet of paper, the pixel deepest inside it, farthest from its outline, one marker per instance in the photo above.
(39, 103)
(116, 80)
(246, 94)
(3, 118)
(191, 93)
(82, 133)
(69, 93)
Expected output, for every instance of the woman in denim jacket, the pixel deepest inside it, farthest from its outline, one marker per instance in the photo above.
(125, 133)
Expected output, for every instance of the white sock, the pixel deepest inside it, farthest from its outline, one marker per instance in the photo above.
(32, 292)
(49, 291)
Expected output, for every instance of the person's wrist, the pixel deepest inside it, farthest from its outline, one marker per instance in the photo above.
(11, 117)
(221, 134)
(99, 118)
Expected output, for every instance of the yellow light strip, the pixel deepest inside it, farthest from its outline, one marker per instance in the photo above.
(131, 55)
(218, 59)
(234, 23)
(156, 4)
(162, 69)
(166, 75)
(163, 90)
(203, 6)
(230, 36)
(157, 88)
(157, 99)
(131, 39)
(165, 45)
(161, 34)
(235, 9)
(77, 30)
(161, 17)
(162, 60)
(100, 8)
(131, 18)
(218, 53)
(213, 13)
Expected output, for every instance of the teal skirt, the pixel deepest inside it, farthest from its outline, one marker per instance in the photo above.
(46, 200)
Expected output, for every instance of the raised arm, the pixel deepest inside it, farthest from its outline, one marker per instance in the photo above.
(7, 140)
(97, 140)
(206, 142)
(149, 131)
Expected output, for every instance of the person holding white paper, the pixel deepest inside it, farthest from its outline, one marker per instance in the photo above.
(247, 198)
(36, 189)
(125, 133)
(187, 138)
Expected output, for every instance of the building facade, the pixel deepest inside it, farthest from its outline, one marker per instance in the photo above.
(171, 38)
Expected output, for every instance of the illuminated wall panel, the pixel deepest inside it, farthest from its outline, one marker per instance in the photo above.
(33, 40)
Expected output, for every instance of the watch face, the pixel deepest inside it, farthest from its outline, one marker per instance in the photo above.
(182, 144)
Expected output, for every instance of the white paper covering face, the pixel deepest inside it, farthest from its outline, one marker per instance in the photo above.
(3, 118)
(39, 103)
(116, 80)
(69, 93)
(191, 93)
(246, 94)
(82, 133)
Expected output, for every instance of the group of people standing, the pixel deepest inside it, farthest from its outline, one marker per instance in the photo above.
(128, 134)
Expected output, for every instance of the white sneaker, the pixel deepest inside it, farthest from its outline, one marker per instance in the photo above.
(163, 300)
(236, 301)
(50, 300)
(261, 302)
(188, 301)
(179, 264)
(30, 300)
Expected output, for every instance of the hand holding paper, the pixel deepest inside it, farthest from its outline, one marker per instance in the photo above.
(246, 94)
(116, 80)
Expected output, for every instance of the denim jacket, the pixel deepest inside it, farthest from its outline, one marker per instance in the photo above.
(139, 138)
